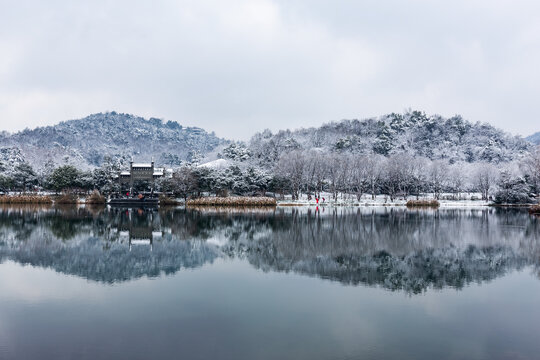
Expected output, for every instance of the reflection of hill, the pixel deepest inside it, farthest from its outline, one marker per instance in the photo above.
(394, 249)
(414, 272)
(399, 250)
(73, 242)
(91, 260)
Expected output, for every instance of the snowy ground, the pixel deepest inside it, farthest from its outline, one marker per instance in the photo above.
(447, 200)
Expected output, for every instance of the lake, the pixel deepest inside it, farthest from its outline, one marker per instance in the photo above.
(285, 283)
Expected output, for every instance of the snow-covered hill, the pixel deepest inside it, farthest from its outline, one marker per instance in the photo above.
(534, 138)
(414, 132)
(85, 142)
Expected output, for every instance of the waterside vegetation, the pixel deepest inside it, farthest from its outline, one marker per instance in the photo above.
(233, 201)
(423, 203)
(26, 199)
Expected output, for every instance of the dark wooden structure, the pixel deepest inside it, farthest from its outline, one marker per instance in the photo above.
(140, 172)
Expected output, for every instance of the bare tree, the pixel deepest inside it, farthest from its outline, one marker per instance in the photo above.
(373, 167)
(313, 176)
(344, 174)
(319, 173)
(438, 175)
(359, 181)
(418, 175)
(393, 176)
(333, 163)
(291, 166)
(485, 177)
(456, 179)
(184, 182)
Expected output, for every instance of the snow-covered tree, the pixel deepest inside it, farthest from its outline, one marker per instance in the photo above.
(6, 183)
(531, 168)
(437, 177)
(256, 180)
(64, 177)
(419, 175)
(291, 166)
(334, 164)
(24, 177)
(374, 166)
(237, 152)
(485, 176)
(393, 176)
(359, 176)
(512, 190)
(105, 178)
(183, 183)
(456, 178)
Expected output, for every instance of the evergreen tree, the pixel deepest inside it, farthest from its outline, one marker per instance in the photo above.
(65, 177)
(105, 178)
(512, 190)
(6, 183)
(24, 176)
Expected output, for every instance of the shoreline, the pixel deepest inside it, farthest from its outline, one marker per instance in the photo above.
(374, 204)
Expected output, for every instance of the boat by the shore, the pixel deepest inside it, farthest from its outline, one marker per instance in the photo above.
(134, 202)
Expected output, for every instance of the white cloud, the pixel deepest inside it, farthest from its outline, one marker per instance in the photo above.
(240, 66)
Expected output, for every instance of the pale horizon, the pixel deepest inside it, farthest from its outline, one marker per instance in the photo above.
(257, 131)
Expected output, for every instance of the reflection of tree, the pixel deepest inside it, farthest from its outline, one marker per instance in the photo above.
(62, 229)
(413, 273)
(396, 249)
(96, 250)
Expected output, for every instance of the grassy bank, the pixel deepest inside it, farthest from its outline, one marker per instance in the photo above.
(25, 199)
(96, 199)
(423, 203)
(233, 209)
(167, 201)
(232, 201)
(66, 199)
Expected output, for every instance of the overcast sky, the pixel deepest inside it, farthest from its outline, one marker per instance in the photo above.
(239, 66)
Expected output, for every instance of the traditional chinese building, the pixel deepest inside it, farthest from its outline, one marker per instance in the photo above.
(140, 172)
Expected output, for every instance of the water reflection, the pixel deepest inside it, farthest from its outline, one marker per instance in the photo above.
(397, 249)
(98, 246)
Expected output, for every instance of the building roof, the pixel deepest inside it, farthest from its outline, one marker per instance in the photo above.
(142, 165)
(125, 173)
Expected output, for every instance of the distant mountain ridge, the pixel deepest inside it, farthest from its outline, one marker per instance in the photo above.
(434, 137)
(534, 138)
(85, 142)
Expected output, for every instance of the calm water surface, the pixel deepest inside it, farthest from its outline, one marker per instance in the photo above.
(375, 283)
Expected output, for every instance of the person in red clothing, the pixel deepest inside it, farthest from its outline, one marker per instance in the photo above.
(317, 200)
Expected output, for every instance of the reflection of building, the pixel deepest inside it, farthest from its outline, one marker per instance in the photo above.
(140, 172)
(139, 228)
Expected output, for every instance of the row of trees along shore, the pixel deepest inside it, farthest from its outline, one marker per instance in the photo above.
(311, 173)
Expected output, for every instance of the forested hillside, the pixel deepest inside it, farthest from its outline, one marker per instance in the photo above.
(85, 142)
(534, 138)
(415, 133)
(395, 155)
